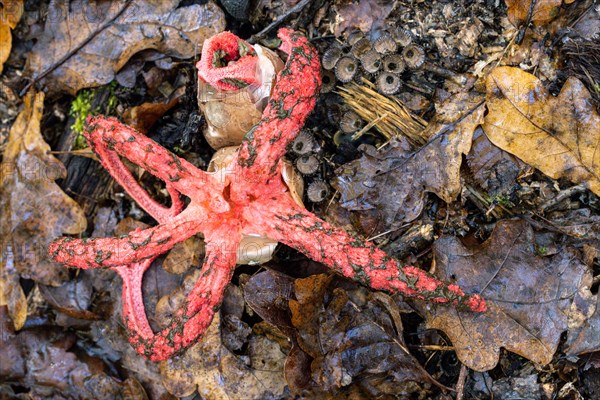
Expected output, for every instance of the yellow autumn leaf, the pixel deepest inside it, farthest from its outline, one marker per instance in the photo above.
(559, 135)
(10, 14)
(543, 11)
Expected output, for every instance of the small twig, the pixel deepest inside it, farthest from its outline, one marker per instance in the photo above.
(562, 195)
(70, 54)
(431, 347)
(460, 385)
(260, 35)
(521, 34)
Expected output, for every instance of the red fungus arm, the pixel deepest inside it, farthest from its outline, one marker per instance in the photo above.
(227, 62)
(108, 134)
(194, 316)
(353, 258)
(134, 247)
(120, 173)
(293, 99)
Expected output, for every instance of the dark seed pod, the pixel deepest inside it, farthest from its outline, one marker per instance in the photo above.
(354, 37)
(346, 69)
(385, 44)
(308, 164)
(317, 191)
(414, 56)
(350, 122)
(388, 83)
(402, 36)
(303, 143)
(361, 47)
(371, 61)
(394, 63)
(327, 81)
(331, 57)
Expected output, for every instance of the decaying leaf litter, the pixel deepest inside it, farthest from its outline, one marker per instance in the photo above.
(517, 222)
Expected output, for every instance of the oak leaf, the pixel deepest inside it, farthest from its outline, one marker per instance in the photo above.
(543, 11)
(10, 14)
(213, 370)
(34, 209)
(558, 135)
(529, 297)
(85, 43)
(393, 182)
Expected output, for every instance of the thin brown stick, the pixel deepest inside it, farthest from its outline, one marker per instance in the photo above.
(460, 385)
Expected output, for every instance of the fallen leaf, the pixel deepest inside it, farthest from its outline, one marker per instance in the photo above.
(217, 373)
(353, 337)
(72, 298)
(365, 15)
(585, 340)
(10, 14)
(268, 293)
(34, 209)
(557, 135)
(528, 296)
(543, 11)
(39, 360)
(394, 182)
(142, 117)
(85, 43)
(495, 170)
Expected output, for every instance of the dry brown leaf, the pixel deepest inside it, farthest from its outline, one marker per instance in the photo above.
(96, 48)
(529, 297)
(10, 14)
(353, 337)
(34, 209)
(559, 135)
(217, 373)
(543, 12)
(39, 360)
(494, 169)
(394, 182)
(586, 339)
(362, 14)
(143, 116)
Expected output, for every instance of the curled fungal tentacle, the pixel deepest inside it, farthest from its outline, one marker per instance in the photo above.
(228, 62)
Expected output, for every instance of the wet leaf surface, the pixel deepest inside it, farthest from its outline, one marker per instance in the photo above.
(217, 373)
(529, 297)
(40, 360)
(34, 209)
(557, 135)
(393, 182)
(211, 368)
(85, 44)
(353, 337)
(494, 169)
(586, 339)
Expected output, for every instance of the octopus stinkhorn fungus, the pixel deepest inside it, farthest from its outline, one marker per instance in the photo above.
(254, 199)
